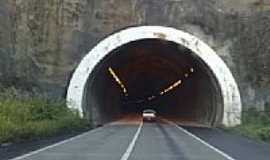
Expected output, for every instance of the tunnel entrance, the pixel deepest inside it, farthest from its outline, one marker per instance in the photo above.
(158, 68)
(145, 69)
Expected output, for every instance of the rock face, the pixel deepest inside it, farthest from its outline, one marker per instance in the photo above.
(6, 38)
(42, 42)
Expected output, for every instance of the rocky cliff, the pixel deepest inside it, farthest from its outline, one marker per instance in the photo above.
(42, 41)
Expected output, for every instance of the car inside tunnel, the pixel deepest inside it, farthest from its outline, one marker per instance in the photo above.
(153, 74)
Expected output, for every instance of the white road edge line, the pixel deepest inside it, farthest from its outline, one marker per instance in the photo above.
(56, 144)
(128, 152)
(200, 140)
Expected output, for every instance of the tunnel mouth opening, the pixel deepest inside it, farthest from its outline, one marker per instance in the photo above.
(146, 68)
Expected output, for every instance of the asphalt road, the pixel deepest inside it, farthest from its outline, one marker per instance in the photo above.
(159, 141)
(106, 143)
(239, 147)
(136, 141)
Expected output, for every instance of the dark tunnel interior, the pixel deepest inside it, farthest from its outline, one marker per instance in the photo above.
(145, 68)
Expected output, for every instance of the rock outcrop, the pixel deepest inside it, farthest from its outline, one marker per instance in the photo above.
(42, 42)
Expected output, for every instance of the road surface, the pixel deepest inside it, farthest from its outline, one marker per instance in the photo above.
(131, 141)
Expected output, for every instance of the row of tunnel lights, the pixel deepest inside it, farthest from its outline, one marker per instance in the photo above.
(171, 87)
(166, 90)
(118, 81)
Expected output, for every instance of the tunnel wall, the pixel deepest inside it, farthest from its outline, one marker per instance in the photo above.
(42, 42)
(102, 101)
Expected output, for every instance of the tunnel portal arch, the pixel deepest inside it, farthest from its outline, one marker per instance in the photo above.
(231, 111)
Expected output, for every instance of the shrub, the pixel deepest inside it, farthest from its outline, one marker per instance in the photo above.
(23, 118)
(255, 124)
(264, 133)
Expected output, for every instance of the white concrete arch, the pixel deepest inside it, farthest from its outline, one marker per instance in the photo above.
(229, 89)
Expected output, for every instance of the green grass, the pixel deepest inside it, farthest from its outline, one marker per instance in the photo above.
(24, 118)
(254, 125)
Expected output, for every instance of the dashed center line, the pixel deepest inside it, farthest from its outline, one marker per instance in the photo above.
(131, 146)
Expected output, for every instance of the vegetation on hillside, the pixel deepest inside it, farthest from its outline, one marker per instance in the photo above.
(255, 124)
(24, 117)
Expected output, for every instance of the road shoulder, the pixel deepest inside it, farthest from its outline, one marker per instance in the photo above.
(241, 148)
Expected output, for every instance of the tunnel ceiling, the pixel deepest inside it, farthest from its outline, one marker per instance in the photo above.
(150, 66)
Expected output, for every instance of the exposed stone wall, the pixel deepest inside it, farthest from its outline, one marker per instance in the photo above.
(6, 38)
(42, 41)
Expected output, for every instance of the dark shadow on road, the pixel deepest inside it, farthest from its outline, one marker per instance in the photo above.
(170, 141)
